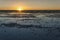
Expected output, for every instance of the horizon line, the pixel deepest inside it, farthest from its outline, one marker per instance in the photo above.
(23, 10)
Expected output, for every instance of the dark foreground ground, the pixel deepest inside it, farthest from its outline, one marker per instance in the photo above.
(7, 33)
(22, 29)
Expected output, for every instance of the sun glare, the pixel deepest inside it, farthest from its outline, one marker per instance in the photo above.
(19, 9)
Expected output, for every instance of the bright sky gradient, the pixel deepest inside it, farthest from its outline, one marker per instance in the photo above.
(30, 4)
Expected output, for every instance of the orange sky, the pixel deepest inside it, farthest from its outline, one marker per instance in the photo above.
(30, 4)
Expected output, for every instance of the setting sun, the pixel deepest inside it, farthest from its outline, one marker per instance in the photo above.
(20, 9)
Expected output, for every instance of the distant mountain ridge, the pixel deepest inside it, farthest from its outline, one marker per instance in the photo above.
(33, 11)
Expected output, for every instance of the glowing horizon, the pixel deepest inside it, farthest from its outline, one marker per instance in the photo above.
(30, 4)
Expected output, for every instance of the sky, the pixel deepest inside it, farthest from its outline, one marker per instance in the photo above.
(30, 4)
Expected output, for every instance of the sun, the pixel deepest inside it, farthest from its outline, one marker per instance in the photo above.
(19, 9)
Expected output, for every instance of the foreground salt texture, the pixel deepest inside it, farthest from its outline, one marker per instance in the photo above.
(7, 33)
(48, 29)
(41, 20)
